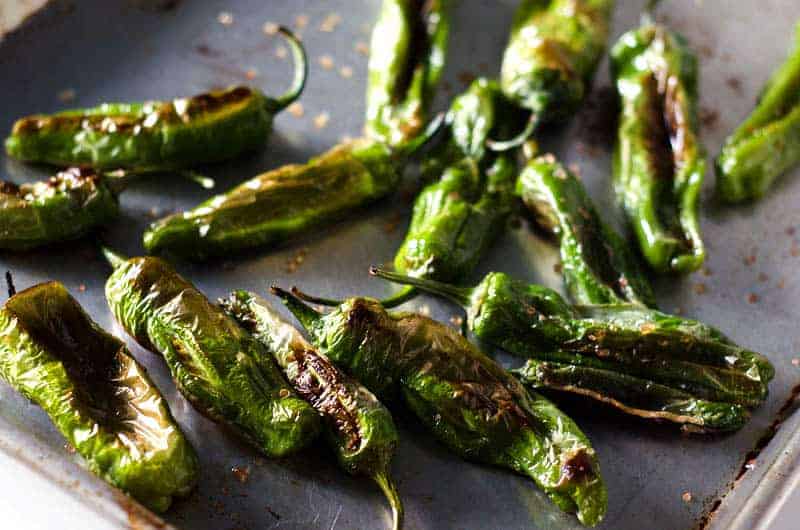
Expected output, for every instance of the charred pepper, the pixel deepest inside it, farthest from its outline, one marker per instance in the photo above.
(767, 143)
(154, 136)
(552, 54)
(219, 367)
(659, 163)
(534, 322)
(358, 427)
(407, 56)
(597, 266)
(468, 401)
(96, 394)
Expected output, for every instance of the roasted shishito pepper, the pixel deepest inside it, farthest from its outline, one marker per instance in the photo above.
(468, 401)
(217, 365)
(279, 204)
(659, 163)
(407, 55)
(154, 136)
(596, 263)
(767, 143)
(659, 365)
(456, 217)
(96, 394)
(553, 52)
(66, 206)
(358, 427)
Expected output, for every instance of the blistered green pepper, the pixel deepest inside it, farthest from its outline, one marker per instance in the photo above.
(96, 394)
(154, 136)
(534, 322)
(358, 427)
(468, 401)
(219, 367)
(767, 143)
(596, 263)
(407, 55)
(659, 163)
(277, 205)
(552, 54)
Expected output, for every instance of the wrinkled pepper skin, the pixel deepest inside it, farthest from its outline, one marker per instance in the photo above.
(456, 218)
(659, 163)
(767, 143)
(358, 427)
(67, 206)
(597, 265)
(158, 135)
(97, 395)
(407, 56)
(553, 53)
(219, 367)
(275, 206)
(534, 322)
(468, 401)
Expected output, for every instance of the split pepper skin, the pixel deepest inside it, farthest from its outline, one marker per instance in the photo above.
(157, 136)
(767, 143)
(659, 163)
(358, 427)
(407, 56)
(658, 365)
(97, 395)
(218, 366)
(468, 401)
(597, 265)
(553, 53)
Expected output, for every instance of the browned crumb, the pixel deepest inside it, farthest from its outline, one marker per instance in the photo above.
(69, 448)
(558, 268)
(66, 95)
(281, 52)
(457, 320)
(795, 250)
(251, 73)
(750, 260)
(301, 21)
(270, 28)
(752, 298)
(781, 283)
(294, 262)
(321, 120)
(707, 271)
(700, 288)
(466, 77)
(326, 61)
(687, 496)
(362, 47)
(762, 277)
(734, 83)
(346, 72)
(153, 212)
(575, 169)
(790, 230)
(241, 473)
(330, 22)
(709, 117)
(678, 310)
(483, 68)
(296, 109)
(225, 18)
(795, 362)
(82, 287)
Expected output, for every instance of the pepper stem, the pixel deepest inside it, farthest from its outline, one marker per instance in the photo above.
(499, 146)
(300, 72)
(405, 294)
(307, 316)
(407, 149)
(10, 284)
(387, 485)
(329, 302)
(115, 259)
(458, 295)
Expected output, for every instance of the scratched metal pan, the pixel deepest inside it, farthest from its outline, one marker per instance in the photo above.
(82, 53)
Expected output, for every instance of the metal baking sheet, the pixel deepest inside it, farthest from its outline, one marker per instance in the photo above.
(82, 53)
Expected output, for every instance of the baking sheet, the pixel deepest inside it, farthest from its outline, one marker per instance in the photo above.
(82, 53)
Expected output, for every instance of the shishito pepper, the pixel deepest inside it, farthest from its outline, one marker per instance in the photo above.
(220, 368)
(659, 163)
(407, 56)
(767, 143)
(597, 265)
(279, 204)
(552, 54)
(468, 401)
(534, 322)
(358, 427)
(157, 135)
(96, 394)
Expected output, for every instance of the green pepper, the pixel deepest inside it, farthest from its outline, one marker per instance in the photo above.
(66, 206)
(154, 136)
(220, 368)
(408, 49)
(358, 427)
(96, 394)
(552, 54)
(277, 205)
(597, 266)
(534, 322)
(468, 401)
(767, 143)
(659, 163)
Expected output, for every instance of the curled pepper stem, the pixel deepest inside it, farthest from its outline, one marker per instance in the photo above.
(114, 258)
(10, 284)
(409, 148)
(499, 146)
(399, 298)
(329, 302)
(390, 490)
(458, 295)
(307, 315)
(300, 72)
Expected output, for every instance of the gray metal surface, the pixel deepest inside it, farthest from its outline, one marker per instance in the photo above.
(102, 50)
